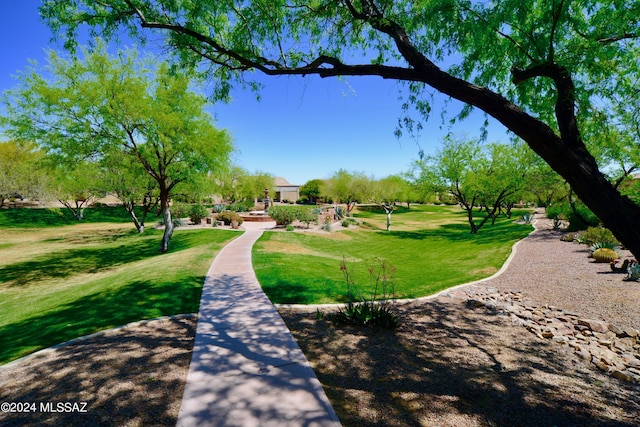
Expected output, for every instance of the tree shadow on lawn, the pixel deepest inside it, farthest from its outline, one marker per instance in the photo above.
(289, 292)
(461, 233)
(449, 364)
(126, 377)
(57, 217)
(68, 262)
(135, 301)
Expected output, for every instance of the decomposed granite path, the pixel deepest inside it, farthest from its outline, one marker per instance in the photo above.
(246, 369)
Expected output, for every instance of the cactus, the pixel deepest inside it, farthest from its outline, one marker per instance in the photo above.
(604, 255)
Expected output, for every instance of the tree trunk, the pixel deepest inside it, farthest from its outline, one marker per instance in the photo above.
(168, 222)
(570, 159)
(129, 207)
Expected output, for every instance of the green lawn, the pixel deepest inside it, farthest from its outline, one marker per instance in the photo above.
(430, 247)
(61, 279)
(59, 282)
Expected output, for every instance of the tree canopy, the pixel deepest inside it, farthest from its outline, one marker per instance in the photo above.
(541, 68)
(85, 111)
(21, 171)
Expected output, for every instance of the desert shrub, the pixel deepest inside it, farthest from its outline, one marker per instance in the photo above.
(348, 221)
(448, 199)
(283, 215)
(303, 200)
(229, 216)
(180, 210)
(244, 206)
(306, 216)
(598, 235)
(197, 213)
(217, 208)
(581, 219)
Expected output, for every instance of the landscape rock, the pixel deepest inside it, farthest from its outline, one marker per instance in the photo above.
(607, 347)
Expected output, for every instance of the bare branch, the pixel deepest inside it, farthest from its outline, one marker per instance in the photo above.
(613, 39)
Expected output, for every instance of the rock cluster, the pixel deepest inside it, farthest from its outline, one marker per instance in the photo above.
(611, 349)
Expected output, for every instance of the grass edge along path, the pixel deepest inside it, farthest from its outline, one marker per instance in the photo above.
(79, 285)
(431, 249)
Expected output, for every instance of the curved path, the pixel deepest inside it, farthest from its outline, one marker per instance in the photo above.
(246, 369)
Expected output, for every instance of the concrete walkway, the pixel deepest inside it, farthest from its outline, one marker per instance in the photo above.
(246, 368)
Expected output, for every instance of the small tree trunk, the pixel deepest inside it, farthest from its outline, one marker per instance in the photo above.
(168, 223)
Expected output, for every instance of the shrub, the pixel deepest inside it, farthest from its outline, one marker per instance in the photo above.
(348, 221)
(180, 210)
(244, 206)
(578, 220)
(306, 216)
(290, 227)
(598, 235)
(197, 213)
(228, 216)
(283, 215)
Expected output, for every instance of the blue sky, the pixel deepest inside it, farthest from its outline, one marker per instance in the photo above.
(301, 129)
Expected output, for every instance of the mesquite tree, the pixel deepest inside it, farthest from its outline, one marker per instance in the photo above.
(542, 68)
(94, 108)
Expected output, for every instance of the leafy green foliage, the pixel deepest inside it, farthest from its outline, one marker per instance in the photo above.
(598, 235)
(197, 213)
(21, 171)
(555, 74)
(228, 217)
(286, 215)
(283, 215)
(580, 217)
(83, 110)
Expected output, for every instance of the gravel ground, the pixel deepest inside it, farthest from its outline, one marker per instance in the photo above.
(550, 271)
(446, 365)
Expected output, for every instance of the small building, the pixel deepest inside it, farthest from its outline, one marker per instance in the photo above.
(286, 192)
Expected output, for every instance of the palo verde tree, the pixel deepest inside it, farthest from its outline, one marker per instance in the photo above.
(476, 175)
(21, 171)
(74, 184)
(85, 109)
(386, 193)
(347, 187)
(535, 66)
(126, 177)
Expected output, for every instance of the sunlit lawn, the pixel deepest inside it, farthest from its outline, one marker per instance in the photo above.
(429, 246)
(59, 281)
